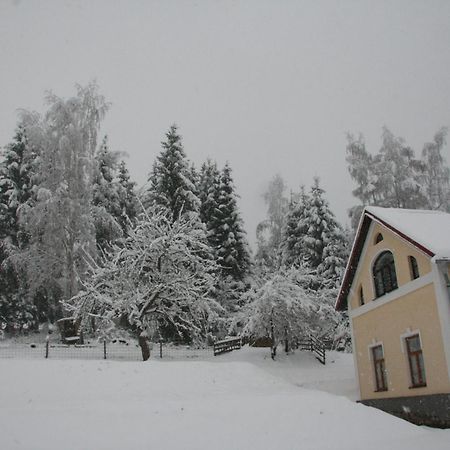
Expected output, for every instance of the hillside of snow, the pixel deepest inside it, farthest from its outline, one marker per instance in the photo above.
(242, 400)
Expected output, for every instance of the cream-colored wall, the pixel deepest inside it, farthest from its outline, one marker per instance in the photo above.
(386, 323)
(400, 249)
(416, 311)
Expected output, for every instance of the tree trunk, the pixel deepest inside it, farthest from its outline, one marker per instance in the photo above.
(286, 341)
(144, 347)
(274, 344)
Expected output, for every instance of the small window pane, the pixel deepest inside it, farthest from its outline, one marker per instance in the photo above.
(414, 343)
(361, 296)
(413, 267)
(379, 368)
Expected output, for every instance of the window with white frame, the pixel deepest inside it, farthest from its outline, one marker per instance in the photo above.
(415, 360)
(379, 368)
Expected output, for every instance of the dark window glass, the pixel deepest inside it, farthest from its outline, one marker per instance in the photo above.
(378, 238)
(413, 267)
(379, 368)
(361, 296)
(384, 276)
(415, 358)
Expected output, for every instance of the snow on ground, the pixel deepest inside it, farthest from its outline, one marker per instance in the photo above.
(242, 400)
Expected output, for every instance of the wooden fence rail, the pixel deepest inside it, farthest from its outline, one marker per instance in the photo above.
(227, 345)
(313, 345)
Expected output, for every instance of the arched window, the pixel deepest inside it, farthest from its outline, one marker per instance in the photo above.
(378, 238)
(384, 276)
(413, 267)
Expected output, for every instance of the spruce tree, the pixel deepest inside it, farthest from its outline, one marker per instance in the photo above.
(128, 203)
(105, 197)
(225, 231)
(16, 172)
(320, 224)
(209, 188)
(170, 183)
(295, 230)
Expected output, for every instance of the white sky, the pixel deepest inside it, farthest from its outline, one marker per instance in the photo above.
(270, 86)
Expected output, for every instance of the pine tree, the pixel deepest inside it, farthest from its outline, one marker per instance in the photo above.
(226, 233)
(320, 225)
(295, 230)
(106, 209)
(170, 183)
(128, 203)
(209, 181)
(16, 172)
(334, 257)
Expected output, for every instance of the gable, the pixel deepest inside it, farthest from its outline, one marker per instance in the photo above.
(366, 237)
(401, 250)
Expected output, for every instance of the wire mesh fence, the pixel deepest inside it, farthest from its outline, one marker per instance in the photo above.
(120, 351)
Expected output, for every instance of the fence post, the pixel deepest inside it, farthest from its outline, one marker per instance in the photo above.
(104, 348)
(160, 349)
(47, 340)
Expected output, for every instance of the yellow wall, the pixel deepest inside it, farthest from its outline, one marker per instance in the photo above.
(386, 323)
(400, 249)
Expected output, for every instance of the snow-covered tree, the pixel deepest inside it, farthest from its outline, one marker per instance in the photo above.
(269, 232)
(106, 208)
(16, 172)
(158, 280)
(436, 173)
(361, 167)
(295, 230)
(226, 233)
(128, 202)
(209, 189)
(320, 225)
(170, 183)
(17, 312)
(334, 257)
(60, 224)
(280, 309)
(394, 177)
(398, 173)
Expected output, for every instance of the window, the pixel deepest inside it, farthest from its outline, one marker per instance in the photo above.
(378, 238)
(415, 358)
(361, 296)
(384, 276)
(413, 267)
(379, 368)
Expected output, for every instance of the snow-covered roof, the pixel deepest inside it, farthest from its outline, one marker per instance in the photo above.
(428, 230)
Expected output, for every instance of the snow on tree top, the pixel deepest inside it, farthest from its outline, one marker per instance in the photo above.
(428, 228)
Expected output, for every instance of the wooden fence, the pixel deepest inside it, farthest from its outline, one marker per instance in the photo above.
(314, 345)
(227, 345)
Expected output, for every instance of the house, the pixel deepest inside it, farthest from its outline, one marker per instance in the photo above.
(397, 291)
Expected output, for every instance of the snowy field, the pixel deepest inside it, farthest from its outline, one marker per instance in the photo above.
(241, 400)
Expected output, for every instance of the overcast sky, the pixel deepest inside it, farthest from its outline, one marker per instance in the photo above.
(270, 86)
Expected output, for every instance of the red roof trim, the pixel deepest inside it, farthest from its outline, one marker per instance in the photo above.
(352, 265)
